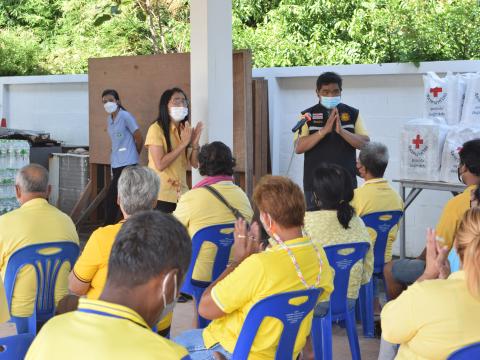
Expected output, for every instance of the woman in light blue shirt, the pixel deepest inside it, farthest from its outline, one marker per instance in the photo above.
(127, 142)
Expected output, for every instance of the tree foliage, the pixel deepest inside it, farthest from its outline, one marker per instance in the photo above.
(58, 36)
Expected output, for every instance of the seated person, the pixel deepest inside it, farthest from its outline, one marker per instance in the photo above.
(6, 328)
(403, 272)
(433, 318)
(146, 266)
(334, 221)
(199, 208)
(376, 194)
(35, 222)
(254, 275)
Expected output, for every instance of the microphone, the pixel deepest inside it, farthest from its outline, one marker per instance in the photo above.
(305, 118)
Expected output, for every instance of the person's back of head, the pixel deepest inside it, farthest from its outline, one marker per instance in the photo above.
(373, 160)
(215, 159)
(467, 240)
(138, 188)
(32, 182)
(333, 190)
(469, 162)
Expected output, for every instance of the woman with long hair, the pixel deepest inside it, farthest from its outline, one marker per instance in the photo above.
(172, 146)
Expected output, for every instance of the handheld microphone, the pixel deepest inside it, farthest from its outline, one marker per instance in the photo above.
(306, 118)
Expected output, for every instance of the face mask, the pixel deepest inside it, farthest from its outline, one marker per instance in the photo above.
(168, 308)
(178, 113)
(110, 107)
(330, 101)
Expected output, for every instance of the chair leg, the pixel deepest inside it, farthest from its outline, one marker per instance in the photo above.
(352, 335)
(322, 337)
(366, 298)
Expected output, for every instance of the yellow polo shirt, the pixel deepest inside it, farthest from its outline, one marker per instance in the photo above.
(452, 214)
(257, 277)
(101, 330)
(432, 319)
(4, 313)
(92, 265)
(373, 196)
(35, 222)
(198, 208)
(173, 180)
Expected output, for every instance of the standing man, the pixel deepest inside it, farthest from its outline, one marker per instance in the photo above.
(332, 134)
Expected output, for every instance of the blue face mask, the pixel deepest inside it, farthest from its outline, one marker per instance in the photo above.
(330, 101)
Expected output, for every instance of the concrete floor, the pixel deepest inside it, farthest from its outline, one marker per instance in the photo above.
(183, 320)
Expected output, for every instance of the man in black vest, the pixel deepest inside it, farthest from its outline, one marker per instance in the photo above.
(332, 135)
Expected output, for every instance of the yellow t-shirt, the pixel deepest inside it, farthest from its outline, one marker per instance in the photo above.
(35, 222)
(257, 277)
(324, 229)
(173, 180)
(432, 319)
(373, 196)
(4, 313)
(359, 129)
(92, 265)
(101, 330)
(198, 208)
(452, 214)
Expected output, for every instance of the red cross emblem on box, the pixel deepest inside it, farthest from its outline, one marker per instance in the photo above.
(435, 91)
(417, 142)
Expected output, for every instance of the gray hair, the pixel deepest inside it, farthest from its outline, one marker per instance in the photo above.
(374, 157)
(138, 188)
(32, 178)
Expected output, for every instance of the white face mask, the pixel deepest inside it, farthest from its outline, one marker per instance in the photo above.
(110, 107)
(168, 308)
(178, 113)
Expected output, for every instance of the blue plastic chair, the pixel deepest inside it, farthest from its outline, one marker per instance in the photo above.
(339, 311)
(279, 307)
(222, 237)
(15, 347)
(47, 260)
(382, 222)
(454, 260)
(468, 352)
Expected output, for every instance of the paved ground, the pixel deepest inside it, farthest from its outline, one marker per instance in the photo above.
(183, 320)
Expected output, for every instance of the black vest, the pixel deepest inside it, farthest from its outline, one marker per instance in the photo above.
(332, 148)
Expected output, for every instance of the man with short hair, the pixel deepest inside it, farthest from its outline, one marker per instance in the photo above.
(147, 263)
(376, 194)
(401, 273)
(35, 222)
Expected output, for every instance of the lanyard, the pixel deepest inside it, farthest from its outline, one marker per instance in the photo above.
(297, 266)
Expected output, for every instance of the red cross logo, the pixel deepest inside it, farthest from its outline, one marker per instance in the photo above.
(417, 142)
(435, 91)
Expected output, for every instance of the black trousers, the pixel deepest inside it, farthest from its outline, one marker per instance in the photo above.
(166, 206)
(112, 210)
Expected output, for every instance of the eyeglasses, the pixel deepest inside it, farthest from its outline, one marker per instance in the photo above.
(179, 102)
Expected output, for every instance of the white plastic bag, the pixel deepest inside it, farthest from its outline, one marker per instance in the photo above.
(421, 149)
(444, 97)
(471, 105)
(455, 139)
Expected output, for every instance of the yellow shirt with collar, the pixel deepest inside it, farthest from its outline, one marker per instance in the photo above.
(432, 319)
(452, 214)
(324, 229)
(92, 265)
(257, 277)
(198, 208)
(35, 222)
(377, 195)
(101, 330)
(173, 179)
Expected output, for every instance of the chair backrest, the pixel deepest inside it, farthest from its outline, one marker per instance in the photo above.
(15, 347)
(454, 260)
(468, 352)
(342, 264)
(46, 259)
(276, 306)
(382, 222)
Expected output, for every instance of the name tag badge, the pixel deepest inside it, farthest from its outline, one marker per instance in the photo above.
(122, 149)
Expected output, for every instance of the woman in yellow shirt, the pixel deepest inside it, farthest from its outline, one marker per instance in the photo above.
(440, 313)
(172, 146)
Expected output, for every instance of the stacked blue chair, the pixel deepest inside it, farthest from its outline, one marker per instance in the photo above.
(222, 237)
(279, 307)
(468, 352)
(341, 263)
(382, 223)
(46, 259)
(15, 347)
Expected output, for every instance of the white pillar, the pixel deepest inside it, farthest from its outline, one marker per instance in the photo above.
(211, 68)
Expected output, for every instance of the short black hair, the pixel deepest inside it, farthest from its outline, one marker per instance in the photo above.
(216, 159)
(329, 77)
(470, 156)
(149, 243)
(374, 157)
